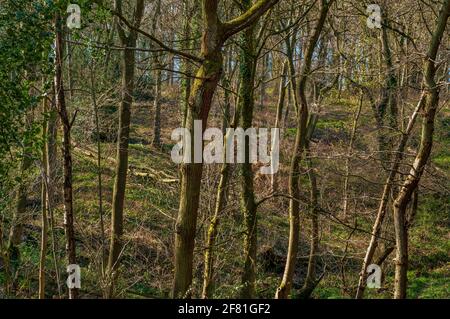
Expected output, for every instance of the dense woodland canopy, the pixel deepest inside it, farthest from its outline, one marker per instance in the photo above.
(86, 175)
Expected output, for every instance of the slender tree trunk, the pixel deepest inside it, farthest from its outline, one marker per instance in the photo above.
(44, 204)
(376, 230)
(262, 93)
(289, 103)
(293, 88)
(157, 111)
(387, 99)
(221, 200)
(52, 164)
(186, 67)
(226, 82)
(280, 107)
(391, 80)
(156, 142)
(310, 280)
(247, 196)
(422, 156)
(349, 155)
(69, 66)
(121, 163)
(284, 290)
(67, 152)
(127, 69)
(99, 171)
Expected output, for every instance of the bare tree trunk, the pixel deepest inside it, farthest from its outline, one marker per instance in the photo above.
(310, 280)
(288, 106)
(391, 80)
(52, 164)
(422, 156)
(262, 93)
(413, 208)
(349, 155)
(376, 230)
(44, 204)
(99, 172)
(157, 109)
(156, 142)
(44, 237)
(280, 107)
(69, 66)
(284, 290)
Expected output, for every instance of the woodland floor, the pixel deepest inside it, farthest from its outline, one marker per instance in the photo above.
(152, 202)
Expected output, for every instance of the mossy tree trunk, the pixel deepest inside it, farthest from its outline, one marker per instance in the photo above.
(215, 33)
(222, 190)
(221, 200)
(67, 123)
(127, 68)
(247, 196)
